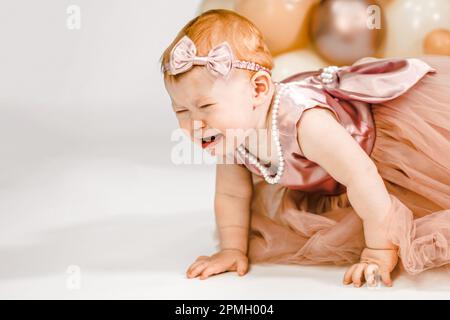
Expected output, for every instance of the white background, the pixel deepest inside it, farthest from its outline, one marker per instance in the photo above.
(85, 172)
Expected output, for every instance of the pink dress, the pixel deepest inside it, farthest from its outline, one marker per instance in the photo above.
(398, 110)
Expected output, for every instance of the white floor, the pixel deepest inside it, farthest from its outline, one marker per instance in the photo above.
(111, 227)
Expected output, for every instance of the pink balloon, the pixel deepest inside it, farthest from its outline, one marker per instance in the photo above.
(344, 31)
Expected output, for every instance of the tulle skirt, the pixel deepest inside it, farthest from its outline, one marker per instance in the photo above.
(412, 154)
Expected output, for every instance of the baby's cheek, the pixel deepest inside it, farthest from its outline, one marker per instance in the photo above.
(184, 122)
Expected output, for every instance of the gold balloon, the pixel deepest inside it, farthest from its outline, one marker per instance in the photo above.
(344, 31)
(283, 23)
(216, 4)
(384, 3)
(409, 21)
(437, 42)
(296, 61)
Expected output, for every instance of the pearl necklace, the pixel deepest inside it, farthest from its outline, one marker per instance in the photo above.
(327, 77)
(253, 160)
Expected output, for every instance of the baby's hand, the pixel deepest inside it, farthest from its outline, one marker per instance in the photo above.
(223, 261)
(373, 261)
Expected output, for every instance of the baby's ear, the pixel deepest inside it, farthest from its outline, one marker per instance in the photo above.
(261, 83)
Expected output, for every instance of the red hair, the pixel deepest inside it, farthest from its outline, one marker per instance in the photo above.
(216, 26)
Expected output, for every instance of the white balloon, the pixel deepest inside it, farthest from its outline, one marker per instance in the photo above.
(296, 61)
(216, 4)
(408, 22)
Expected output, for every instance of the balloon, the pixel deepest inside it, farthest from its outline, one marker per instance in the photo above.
(344, 31)
(283, 23)
(296, 61)
(437, 42)
(409, 21)
(384, 3)
(216, 4)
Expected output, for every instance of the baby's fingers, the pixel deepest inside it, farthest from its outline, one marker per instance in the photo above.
(371, 274)
(242, 267)
(211, 270)
(197, 262)
(348, 274)
(193, 265)
(358, 274)
(386, 278)
(197, 268)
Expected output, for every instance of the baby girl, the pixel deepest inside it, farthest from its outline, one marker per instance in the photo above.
(343, 165)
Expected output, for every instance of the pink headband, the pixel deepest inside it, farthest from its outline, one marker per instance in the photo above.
(219, 60)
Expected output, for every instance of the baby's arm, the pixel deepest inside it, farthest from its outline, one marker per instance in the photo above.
(326, 142)
(233, 193)
(232, 205)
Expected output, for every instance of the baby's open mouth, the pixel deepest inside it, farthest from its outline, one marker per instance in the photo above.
(207, 141)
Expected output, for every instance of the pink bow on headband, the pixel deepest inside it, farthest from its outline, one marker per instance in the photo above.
(219, 60)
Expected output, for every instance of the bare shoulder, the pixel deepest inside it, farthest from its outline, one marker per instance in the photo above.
(234, 180)
(325, 141)
(314, 125)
